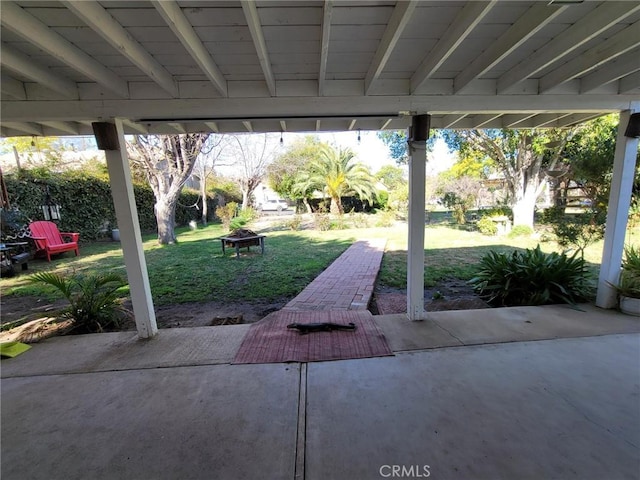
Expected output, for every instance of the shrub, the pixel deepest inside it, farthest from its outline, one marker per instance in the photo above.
(94, 304)
(295, 223)
(531, 278)
(322, 221)
(580, 230)
(521, 231)
(359, 220)
(486, 226)
(629, 284)
(385, 219)
(226, 212)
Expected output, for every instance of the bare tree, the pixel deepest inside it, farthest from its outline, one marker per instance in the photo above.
(252, 155)
(204, 167)
(167, 161)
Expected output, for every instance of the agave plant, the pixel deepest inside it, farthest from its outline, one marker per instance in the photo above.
(94, 303)
(629, 283)
(532, 277)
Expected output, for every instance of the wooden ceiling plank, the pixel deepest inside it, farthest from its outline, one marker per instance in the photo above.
(620, 67)
(464, 23)
(253, 22)
(12, 87)
(66, 127)
(616, 45)
(101, 22)
(182, 28)
(531, 22)
(586, 29)
(34, 31)
(24, 65)
(399, 19)
(327, 11)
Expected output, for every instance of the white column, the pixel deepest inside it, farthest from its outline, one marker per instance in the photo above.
(415, 251)
(617, 214)
(130, 236)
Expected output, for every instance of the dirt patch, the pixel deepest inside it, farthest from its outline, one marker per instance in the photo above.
(449, 295)
(26, 308)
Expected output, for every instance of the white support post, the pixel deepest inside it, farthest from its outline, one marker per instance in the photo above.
(415, 251)
(130, 236)
(617, 214)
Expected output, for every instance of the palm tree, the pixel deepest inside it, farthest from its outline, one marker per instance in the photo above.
(338, 175)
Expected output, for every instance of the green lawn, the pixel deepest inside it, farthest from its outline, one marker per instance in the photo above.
(194, 270)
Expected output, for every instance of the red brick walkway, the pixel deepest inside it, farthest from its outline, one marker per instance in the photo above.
(347, 284)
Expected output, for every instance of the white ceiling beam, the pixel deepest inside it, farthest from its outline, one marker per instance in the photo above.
(66, 127)
(480, 120)
(581, 32)
(248, 126)
(577, 118)
(138, 127)
(101, 22)
(327, 11)
(25, 127)
(12, 87)
(22, 64)
(448, 121)
(628, 83)
(533, 20)
(213, 126)
(464, 23)
(511, 120)
(352, 124)
(620, 67)
(177, 126)
(386, 123)
(253, 21)
(613, 47)
(318, 125)
(397, 23)
(182, 28)
(34, 31)
(283, 126)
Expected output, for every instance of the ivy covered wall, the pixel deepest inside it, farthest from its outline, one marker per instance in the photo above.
(85, 201)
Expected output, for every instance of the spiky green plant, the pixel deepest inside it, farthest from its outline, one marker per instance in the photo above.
(629, 284)
(532, 277)
(94, 303)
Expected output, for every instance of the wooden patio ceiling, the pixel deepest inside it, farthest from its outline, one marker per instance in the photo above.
(227, 66)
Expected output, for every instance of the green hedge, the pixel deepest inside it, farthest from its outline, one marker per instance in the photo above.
(85, 201)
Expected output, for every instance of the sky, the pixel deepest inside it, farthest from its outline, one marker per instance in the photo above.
(370, 150)
(373, 152)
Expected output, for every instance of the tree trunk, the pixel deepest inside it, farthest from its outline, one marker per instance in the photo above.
(307, 205)
(205, 206)
(524, 205)
(166, 218)
(245, 198)
(336, 206)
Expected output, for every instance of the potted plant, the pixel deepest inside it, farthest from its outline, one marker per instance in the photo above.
(629, 283)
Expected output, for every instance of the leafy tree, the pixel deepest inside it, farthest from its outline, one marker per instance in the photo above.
(41, 152)
(459, 194)
(167, 161)
(338, 175)
(396, 140)
(252, 154)
(392, 177)
(591, 152)
(204, 168)
(284, 173)
(522, 156)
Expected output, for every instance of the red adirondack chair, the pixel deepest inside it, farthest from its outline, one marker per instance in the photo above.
(49, 240)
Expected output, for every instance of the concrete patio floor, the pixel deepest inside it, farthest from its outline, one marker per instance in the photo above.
(531, 392)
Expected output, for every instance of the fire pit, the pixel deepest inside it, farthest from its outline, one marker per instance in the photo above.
(242, 238)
